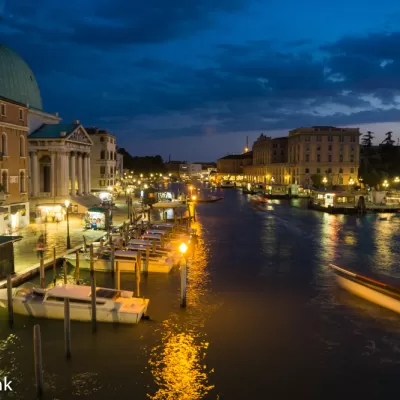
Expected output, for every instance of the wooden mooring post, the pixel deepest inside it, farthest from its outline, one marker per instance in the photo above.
(77, 267)
(67, 328)
(41, 271)
(183, 283)
(91, 258)
(112, 258)
(93, 297)
(10, 302)
(37, 346)
(118, 273)
(137, 272)
(65, 273)
(147, 263)
(54, 266)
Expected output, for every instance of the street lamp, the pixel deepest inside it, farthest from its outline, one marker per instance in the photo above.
(68, 238)
(194, 198)
(324, 180)
(351, 181)
(385, 184)
(397, 179)
(183, 248)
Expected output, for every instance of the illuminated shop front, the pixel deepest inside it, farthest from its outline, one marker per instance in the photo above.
(50, 213)
(98, 218)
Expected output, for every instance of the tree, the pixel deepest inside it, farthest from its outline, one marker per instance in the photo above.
(388, 141)
(366, 140)
(316, 180)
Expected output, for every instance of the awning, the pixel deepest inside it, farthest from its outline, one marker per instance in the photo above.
(8, 239)
(18, 207)
(98, 210)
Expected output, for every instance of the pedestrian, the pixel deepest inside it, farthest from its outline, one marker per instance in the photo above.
(40, 246)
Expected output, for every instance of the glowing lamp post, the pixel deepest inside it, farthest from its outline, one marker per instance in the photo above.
(397, 180)
(194, 198)
(385, 184)
(183, 249)
(324, 180)
(68, 237)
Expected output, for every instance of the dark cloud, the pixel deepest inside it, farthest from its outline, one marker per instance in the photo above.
(100, 62)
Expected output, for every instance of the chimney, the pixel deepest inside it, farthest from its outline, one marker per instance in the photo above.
(76, 122)
(63, 133)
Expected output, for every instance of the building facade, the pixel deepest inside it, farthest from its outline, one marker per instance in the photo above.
(119, 166)
(231, 167)
(103, 159)
(190, 170)
(306, 156)
(14, 204)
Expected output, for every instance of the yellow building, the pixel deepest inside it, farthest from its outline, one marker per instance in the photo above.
(307, 154)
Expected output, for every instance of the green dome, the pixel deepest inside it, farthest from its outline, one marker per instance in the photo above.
(17, 81)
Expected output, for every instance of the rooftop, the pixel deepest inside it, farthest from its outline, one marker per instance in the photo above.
(52, 131)
(94, 130)
(242, 156)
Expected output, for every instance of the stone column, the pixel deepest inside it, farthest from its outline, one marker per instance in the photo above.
(53, 174)
(73, 174)
(66, 173)
(89, 175)
(35, 174)
(85, 174)
(80, 174)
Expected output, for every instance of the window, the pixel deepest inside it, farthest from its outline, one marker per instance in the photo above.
(21, 114)
(102, 182)
(4, 181)
(308, 138)
(307, 157)
(329, 158)
(307, 170)
(101, 138)
(102, 170)
(330, 147)
(21, 146)
(329, 171)
(22, 182)
(4, 144)
(2, 109)
(330, 138)
(319, 138)
(341, 158)
(341, 147)
(318, 148)
(318, 170)
(352, 139)
(318, 157)
(102, 155)
(340, 170)
(341, 139)
(351, 158)
(352, 148)
(352, 170)
(340, 180)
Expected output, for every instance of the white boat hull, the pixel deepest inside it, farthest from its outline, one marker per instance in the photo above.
(78, 312)
(369, 294)
(155, 266)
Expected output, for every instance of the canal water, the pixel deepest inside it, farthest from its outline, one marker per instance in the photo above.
(265, 318)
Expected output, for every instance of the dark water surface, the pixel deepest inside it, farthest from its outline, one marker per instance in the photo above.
(265, 319)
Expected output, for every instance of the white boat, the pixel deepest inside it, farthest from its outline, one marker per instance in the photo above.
(111, 305)
(369, 289)
(127, 260)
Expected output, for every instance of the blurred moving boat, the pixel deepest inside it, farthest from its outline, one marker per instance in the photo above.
(111, 305)
(377, 292)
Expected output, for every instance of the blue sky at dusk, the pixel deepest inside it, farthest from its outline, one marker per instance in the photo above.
(193, 79)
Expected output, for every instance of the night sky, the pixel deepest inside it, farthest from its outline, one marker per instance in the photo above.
(191, 79)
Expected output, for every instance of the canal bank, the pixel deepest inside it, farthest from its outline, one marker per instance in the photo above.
(264, 318)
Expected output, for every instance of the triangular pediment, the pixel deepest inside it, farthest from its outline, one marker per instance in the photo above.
(80, 135)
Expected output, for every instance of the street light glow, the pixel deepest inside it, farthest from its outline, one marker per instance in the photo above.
(67, 203)
(194, 198)
(183, 248)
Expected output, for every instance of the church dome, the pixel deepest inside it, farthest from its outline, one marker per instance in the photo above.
(17, 81)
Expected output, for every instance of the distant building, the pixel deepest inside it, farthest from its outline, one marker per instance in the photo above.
(172, 167)
(119, 166)
(103, 159)
(327, 151)
(189, 170)
(231, 167)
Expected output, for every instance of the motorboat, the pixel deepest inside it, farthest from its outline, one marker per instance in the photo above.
(377, 292)
(111, 305)
(211, 199)
(226, 185)
(258, 199)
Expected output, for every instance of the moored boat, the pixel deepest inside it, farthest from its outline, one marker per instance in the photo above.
(111, 305)
(376, 292)
(211, 199)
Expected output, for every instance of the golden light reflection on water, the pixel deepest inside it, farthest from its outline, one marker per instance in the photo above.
(178, 362)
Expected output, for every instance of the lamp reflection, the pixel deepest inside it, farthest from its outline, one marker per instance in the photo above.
(178, 363)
